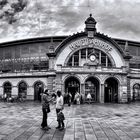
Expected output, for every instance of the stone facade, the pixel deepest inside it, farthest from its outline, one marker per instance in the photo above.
(87, 62)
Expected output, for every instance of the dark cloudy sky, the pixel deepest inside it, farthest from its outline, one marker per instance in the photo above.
(31, 18)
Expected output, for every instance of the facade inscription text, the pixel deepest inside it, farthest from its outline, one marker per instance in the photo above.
(90, 43)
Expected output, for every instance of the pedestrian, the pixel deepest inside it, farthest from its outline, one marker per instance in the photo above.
(5, 97)
(40, 92)
(115, 97)
(77, 98)
(89, 98)
(65, 98)
(59, 113)
(45, 109)
(69, 96)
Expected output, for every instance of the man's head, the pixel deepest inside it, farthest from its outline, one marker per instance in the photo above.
(58, 93)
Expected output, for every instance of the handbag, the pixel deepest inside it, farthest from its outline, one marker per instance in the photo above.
(62, 107)
(46, 106)
(48, 109)
(61, 116)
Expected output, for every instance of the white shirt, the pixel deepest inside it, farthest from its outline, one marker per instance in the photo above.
(89, 96)
(59, 102)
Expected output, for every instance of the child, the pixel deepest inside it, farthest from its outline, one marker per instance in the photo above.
(61, 119)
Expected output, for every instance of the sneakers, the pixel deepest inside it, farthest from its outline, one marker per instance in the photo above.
(44, 128)
(61, 128)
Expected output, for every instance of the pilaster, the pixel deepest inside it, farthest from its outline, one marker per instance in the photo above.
(30, 93)
(83, 91)
(1, 90)
(102, 94)
(14, 91)
(128, 90)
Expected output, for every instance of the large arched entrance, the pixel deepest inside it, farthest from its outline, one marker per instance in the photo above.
(136, 92)
(7, 89)
(92, 88)
(72, 85)
(22, 90)
(111, 91)
(38, 89)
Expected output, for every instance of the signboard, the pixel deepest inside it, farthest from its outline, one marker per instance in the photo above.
(90, 43)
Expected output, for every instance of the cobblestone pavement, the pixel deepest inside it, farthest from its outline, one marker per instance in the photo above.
(21, 121)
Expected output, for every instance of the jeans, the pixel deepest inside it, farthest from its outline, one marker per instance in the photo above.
(44, 119)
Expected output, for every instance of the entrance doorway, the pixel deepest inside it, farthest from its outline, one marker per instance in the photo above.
(38, 89)
(136, 92)
(72, 85)
(7, 89)
(92, 88)
(111, 91)
(22, 90)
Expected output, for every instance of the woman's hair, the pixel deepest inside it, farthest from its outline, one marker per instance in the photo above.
(46, 91)
(54, 95)
(58, 93)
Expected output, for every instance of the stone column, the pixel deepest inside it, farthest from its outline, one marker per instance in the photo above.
(52, 83)
(83, 91)
(14, 91)
(1, 91)
(128, 90)
(30, 93)
(59, 85)
(123, 94)
(62, 88)
(51, 63)
(102, 93)
(51, 60)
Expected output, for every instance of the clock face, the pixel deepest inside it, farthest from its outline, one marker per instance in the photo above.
(92, 57)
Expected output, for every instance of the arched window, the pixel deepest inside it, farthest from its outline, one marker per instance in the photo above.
(81, 57)
(7, 89)
(38, 89)
(111, 90)
(136, 92)
(72, 85)
(22, 89)
(92, 88)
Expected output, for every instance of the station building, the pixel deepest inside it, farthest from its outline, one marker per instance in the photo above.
(87, 62)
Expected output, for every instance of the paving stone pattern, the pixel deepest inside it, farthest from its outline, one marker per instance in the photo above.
(21, 121)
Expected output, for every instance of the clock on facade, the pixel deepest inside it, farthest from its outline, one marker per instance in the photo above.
(92, 57)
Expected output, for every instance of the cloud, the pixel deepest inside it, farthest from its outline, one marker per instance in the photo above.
(116, 18)
(121, 19)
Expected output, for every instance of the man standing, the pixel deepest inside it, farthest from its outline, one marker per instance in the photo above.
(59, 108)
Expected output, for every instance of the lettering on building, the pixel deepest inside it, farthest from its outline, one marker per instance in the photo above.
(86, 42)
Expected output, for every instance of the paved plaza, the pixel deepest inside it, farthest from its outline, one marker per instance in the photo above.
(21, 121)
